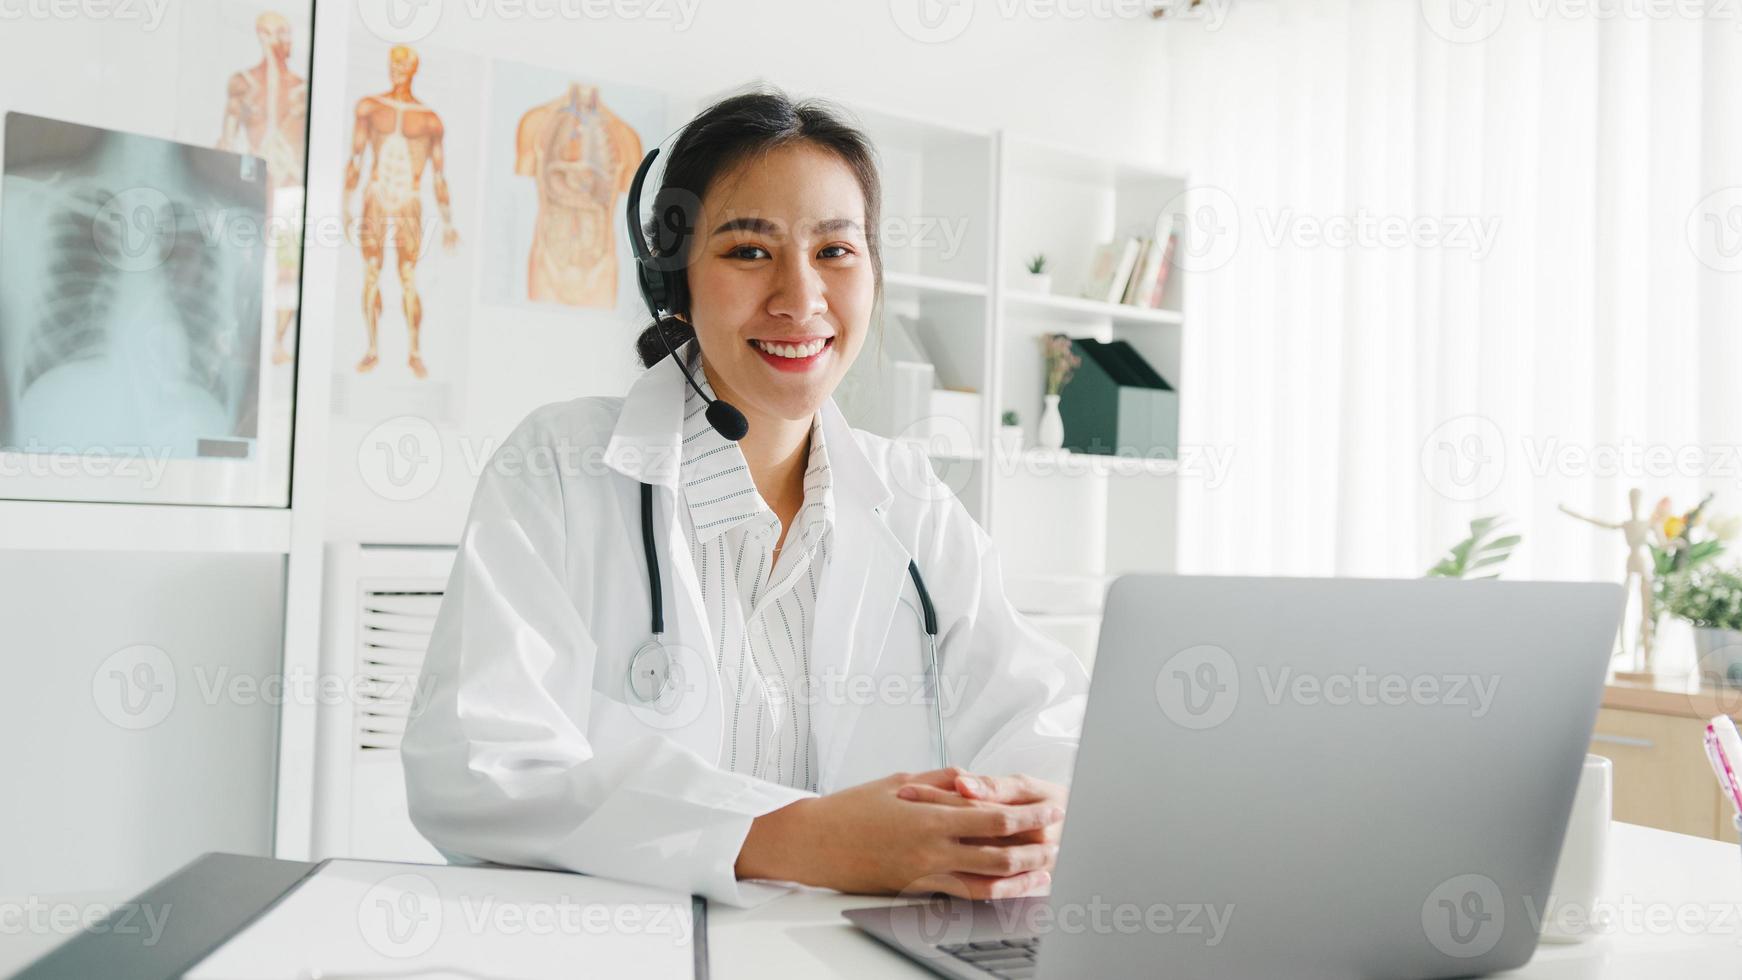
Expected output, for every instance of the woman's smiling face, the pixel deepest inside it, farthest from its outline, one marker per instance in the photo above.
(781, 266)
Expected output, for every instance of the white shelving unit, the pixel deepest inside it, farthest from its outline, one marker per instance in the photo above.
(905, 282)
(1074, 309)
(1105, 515)
(962, 210)
(937, 234)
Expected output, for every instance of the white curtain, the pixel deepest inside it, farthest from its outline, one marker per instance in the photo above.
(1592, 345)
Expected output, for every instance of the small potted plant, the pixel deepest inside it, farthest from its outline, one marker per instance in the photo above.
(1687, 585)
(1010, 433)
(1710, 599)
(1061, 363)
(1038, 280)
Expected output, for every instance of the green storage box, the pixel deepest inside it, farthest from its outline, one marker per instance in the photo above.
(1116, 404)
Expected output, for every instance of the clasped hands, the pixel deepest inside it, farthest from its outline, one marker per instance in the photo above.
(945, 831)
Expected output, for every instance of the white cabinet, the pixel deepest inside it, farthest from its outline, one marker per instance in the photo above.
(1653, 732)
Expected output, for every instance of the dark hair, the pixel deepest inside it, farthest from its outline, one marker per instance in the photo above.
(724, 135)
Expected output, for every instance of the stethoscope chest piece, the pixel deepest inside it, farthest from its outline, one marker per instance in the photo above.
(651, 680)
(671, 687)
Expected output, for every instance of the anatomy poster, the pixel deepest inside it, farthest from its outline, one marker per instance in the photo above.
(561, 151)
(244, 88)
(403, 307)
(132, 286)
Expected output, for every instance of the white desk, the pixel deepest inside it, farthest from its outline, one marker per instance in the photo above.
(1678, 899)
(1662, 876)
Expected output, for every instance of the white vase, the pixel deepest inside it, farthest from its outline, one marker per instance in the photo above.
(1010, 440)
(1037, 282)
(1051, 433)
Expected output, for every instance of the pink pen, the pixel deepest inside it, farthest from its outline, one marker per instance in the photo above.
(1721, 763)
(1719, 769)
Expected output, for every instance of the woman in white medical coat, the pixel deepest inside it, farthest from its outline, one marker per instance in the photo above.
(531, 745)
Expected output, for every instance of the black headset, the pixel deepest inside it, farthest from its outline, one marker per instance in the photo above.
(665, 289)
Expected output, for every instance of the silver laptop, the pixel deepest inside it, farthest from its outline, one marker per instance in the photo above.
(1304, 778)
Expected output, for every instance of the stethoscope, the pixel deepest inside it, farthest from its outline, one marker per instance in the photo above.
(653, 675)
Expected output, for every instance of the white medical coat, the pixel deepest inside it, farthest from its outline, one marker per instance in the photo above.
(526, 746)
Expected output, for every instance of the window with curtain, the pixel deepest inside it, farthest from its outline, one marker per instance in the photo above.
(1467, 259)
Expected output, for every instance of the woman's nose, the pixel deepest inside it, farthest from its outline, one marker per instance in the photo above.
(798, 295)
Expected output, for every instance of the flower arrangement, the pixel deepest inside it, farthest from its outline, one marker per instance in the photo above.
(1061, 363)
(1685, 583)
(1037, 264)
(1706, 596)
(1680, 542)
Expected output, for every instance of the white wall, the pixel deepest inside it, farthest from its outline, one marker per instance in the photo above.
(1089, 82)
(139, 714)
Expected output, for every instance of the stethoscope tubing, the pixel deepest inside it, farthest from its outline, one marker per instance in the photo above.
(929, 615)
(653, 584)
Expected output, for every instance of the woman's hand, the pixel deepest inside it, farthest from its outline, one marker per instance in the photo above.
(870, 840)
(958, 787)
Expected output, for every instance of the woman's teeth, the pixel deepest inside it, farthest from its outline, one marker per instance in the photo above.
(791, 350)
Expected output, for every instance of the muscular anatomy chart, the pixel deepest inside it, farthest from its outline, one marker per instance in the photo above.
(582, 158)
(266, 114)
(402, 136)
(266, 106)
(131, 278)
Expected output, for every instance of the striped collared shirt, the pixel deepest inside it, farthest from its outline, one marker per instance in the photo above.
(760, 607)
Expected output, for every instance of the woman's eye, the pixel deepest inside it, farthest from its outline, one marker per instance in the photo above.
(752, 252)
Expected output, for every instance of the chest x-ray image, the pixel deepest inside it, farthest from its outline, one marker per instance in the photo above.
(133, 273)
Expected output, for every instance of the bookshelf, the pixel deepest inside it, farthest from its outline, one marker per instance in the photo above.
(1105, 515)
(902, 282)
(1076, 310)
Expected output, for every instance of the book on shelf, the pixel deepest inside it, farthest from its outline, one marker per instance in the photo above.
(1110, 272)
(1133, 271)
(1144, 247)
(1150, 282)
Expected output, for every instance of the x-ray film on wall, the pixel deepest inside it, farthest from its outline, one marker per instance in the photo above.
(135, 289)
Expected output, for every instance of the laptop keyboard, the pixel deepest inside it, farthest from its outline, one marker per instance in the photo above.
(1008, 959)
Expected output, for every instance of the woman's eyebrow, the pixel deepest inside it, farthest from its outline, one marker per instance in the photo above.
(831, 225)
(762, 226)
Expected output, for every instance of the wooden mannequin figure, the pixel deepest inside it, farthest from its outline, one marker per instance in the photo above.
(1637, 530)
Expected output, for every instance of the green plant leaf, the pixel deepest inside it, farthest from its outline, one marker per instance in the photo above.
(1477, 552)
(1702, 551)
